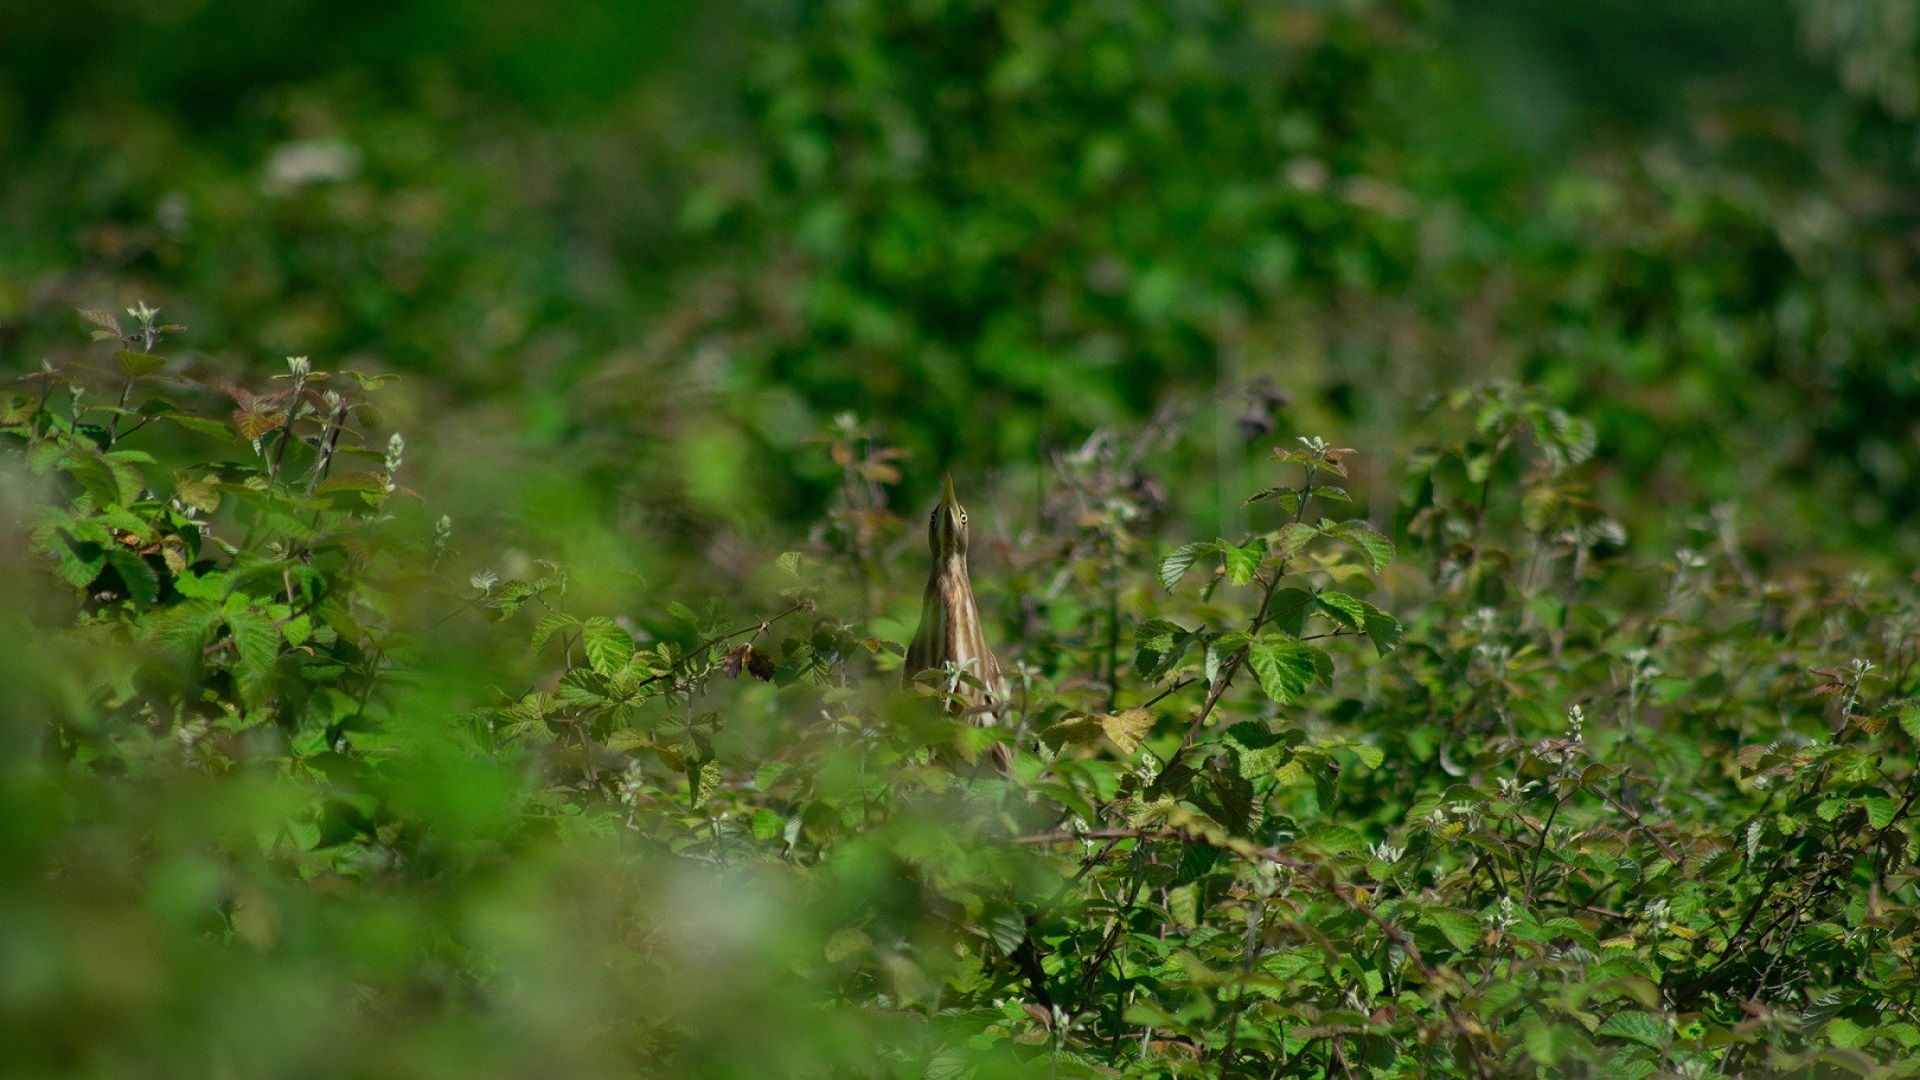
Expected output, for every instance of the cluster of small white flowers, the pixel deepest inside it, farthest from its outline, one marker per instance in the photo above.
(1507, 915)
(1659, 915)
(1482, 622)
(396, 447)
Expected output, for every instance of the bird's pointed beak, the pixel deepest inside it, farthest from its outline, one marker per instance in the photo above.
(947, 498)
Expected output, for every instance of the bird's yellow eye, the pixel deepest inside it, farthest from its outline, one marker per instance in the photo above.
(963, 517)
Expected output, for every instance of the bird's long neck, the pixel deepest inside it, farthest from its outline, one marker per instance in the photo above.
(950, 601)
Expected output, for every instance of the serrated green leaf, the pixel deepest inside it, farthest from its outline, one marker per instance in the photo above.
(1547, 1043)
(1337, 839)
(256, 644)
(1181, 559)
(1348, 611)
(1848, 1035)
(198, 424)
(507, 598)
(1252, 735)
(212, 586)
(80, 561)
(1183, 905)
(1005, 926)
(583, 687)
(1382, 629)
(549, 625)
(142, 583)
(188, 626)
(1287, 610)
(135, 364)
(1641, 1027)
(1880, 810)
(608, 647)
(1378, 549)
(1285, 667)
(1244, 562)
(1290, 538)
(703, 780)
(1370, 755)
(94, 476)
(1160, 646)
(1461, 929)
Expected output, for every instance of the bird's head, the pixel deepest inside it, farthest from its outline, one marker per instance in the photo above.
(947, 532)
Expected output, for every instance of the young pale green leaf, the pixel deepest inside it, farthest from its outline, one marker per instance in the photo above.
(1290, 538)
(608, 647)
(1181, 559)
(370, 382)
(1243, 562)
(1378, 549)
(551, 624)
(1370, 755)
(583, 687)
(1285, 667)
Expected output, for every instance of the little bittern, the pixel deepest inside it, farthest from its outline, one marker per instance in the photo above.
(950, 621)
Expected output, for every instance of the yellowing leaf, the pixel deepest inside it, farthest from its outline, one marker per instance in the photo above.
(1127, 728)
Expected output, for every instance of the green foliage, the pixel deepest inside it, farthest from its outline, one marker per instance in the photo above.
(1569, 729)
(1529, 815)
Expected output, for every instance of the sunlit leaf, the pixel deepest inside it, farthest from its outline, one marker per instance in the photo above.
(1181, 559)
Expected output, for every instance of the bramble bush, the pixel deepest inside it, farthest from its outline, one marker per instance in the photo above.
(1440, 782)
